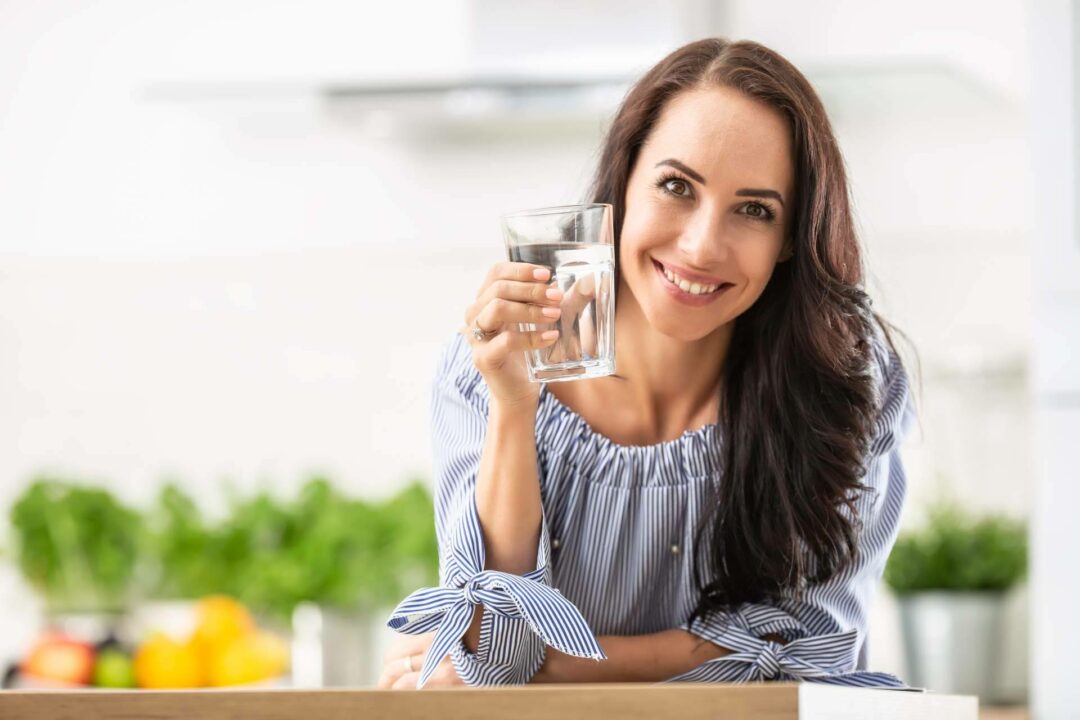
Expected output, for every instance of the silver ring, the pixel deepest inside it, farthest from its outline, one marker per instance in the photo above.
(408, 664)
(480, 334)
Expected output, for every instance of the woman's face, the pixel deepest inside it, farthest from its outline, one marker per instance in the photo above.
(707, 205)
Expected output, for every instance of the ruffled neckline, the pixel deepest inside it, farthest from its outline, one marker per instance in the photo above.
(568, 444)
(570, 415)
(694, 454)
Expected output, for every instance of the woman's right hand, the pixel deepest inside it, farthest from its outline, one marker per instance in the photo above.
(512, 293)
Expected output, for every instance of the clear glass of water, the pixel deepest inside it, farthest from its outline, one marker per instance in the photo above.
(576, 243)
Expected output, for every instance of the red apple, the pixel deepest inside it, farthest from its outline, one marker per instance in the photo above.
(60, 658)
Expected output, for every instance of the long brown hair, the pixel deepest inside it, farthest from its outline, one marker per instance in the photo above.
(799, 401)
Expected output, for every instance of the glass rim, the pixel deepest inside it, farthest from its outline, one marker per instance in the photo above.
(557, 210)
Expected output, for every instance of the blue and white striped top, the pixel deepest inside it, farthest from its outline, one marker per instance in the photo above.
(615, 549)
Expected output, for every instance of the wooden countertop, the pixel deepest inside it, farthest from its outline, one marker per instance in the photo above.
(768, 701)
(1004, 713)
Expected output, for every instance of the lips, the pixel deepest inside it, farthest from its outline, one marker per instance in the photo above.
(686, 298)
(690, 275)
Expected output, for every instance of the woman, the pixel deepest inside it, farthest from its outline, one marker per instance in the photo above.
(722, 509)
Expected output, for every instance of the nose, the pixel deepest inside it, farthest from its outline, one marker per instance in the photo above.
(702, 243)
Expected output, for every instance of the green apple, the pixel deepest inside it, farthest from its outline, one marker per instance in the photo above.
(114, 669)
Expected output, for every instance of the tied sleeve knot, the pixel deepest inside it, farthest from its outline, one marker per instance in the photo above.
(828, 658)
(470, 591)
(449, 610)
(753, 657)
(768, 658)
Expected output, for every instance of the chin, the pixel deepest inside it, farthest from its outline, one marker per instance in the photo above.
(677, 328)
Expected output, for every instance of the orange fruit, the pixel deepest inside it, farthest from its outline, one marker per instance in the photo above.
(161, 662)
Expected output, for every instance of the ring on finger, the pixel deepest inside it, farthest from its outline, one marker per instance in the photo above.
(482, 335)
(408, 664)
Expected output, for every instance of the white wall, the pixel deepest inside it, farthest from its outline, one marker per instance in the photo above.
(1055, 32)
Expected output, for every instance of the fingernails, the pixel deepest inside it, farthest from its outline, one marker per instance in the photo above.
(550, 335)
(552, 312)
(541, 273)
(554, 293)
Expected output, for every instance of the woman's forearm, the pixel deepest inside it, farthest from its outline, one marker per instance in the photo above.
(632, 658)
(508, 489)
(635, 658)
(508, 495)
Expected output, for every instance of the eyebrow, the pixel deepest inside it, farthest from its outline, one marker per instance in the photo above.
(741, 192)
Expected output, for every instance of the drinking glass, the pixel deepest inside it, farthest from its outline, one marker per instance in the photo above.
(574, 242)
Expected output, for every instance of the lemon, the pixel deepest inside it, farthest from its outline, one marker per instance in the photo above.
(220, 619)
(250, 658)
(162, 662)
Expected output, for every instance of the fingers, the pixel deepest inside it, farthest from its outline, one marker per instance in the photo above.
(515, 271)
(513, 281)
(386, 680)
(581, 293)
(396, 668)
(512, 301)
(500, 314)
(444, 676)
(406, 682)
(403, 645)
(392, 672)
(401, 678)
(579, 337)
(491, 355)
(589, 342)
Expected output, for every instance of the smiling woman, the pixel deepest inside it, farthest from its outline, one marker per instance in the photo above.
(676, 217)
(721, 509)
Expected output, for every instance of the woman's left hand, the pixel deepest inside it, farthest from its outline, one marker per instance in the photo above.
(404, 660)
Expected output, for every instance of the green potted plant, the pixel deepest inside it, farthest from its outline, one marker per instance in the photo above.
(77, 545)
(375, 554)
(79, 548)
(951, 578)
(323, 564)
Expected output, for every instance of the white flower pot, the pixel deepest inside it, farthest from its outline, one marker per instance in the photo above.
(953, 641)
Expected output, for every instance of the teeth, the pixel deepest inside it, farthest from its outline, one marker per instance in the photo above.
(687, 286)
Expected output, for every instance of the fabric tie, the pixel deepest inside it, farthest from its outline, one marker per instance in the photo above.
(450, 608)
(820, 658)
(768, 658)
(550, 615)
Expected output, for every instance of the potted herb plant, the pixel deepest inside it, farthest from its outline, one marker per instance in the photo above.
(78, 547)
(323, 564)
(951, 578)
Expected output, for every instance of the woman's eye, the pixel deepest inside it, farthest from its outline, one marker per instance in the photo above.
(677, 187)
(757, 210)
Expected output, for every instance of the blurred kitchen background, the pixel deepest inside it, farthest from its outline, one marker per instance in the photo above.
(236, 234)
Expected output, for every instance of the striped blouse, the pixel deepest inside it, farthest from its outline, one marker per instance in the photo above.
(615, 554)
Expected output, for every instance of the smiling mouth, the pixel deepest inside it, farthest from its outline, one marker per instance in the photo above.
(693, 289)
